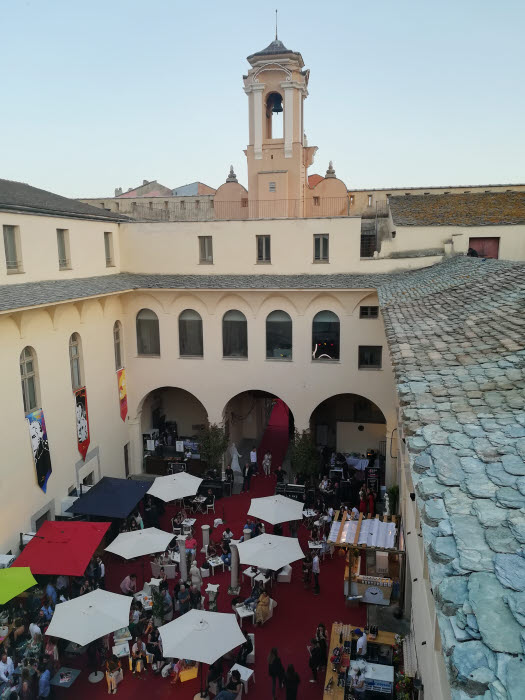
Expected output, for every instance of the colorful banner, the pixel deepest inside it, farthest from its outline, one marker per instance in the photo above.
(82, 421)
(41, 456)
(122, 393)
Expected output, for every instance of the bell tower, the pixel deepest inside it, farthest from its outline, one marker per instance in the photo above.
(277, 86)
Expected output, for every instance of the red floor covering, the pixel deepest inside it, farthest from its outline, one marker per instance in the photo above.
(295, 618)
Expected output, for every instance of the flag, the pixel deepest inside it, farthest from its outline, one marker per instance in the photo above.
(40, 446)
(122, 393)
(82, 421)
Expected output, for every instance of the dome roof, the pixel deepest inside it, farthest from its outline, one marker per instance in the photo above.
(276, 48)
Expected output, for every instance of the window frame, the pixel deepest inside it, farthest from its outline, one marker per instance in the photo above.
(13, 267)
(282, 358)
(29, 376)
(108, 249)
(201, 338)
(76, 365)
(324, 243)
(245, 322)
(368, 315)
(367, 348)
(337, 337)
(118, 345)
(205, 256)
(65, 262)
(272, 186)
(266, 249)
(138, 335)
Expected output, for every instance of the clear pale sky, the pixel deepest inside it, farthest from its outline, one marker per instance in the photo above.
(103, 94)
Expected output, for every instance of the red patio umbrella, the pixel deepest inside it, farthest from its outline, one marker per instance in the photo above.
(62, 547)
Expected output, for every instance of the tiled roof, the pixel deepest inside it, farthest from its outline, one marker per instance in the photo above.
(22, 198)
(475, 209)
(276, 48)
(457, 343)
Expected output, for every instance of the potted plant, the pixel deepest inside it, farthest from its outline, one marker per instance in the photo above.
(157, 608)
(304, 456)
(212, 444)
(393, 498)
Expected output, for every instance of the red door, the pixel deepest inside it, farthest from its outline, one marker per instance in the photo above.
(485, 247)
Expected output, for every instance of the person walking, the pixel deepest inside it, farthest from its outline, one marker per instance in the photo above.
(253, 460)
(316, 571)
(246, 477)
(291, 683)
(275, 670)
(316, 659)
(267, 463)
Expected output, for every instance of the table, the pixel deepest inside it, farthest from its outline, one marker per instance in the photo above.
(199, 502)
(216, 561)
(251, 572)
(75, 673)
(145, 600)
(121, 650)
(263, 578)
(315, 545)
(122, 635)
(378, 678)
(243, 611)
(189, 522)
(245, 674)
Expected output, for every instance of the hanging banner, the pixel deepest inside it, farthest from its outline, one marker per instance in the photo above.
(82, 421)
(122, 393)
(39, 444)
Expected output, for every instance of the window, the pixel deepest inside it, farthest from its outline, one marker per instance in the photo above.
(370, 356)
(190, 334)
(351, 199)
(64, 262)
(263, 249)
(117, 344)
(117, 206)
(150, 205)
(108, 247)
(234, 334)
(317, 201)
(12, 249)
(75, 361)
(484, 247)
(244, 201)
(148, 336)
(183, 205)
(272, 187)
(166, 205)
(325, 336)
(368, 242)
(278, 335)
(29, 377)
(205, 250)
(321, 247)
(370, 198)
(368, 311)
(197, 204)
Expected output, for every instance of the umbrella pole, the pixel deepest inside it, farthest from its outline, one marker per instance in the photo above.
(203, 693)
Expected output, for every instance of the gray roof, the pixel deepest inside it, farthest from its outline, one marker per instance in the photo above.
(276, 48)
(22, 198)
(474, 209)
(457, 343)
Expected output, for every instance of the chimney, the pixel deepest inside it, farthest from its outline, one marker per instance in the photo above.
(118, 191)
(145, 182)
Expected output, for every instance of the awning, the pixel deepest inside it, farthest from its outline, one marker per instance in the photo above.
(62, 547)
(111, 498)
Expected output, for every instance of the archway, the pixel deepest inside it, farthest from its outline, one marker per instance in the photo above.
(169, 416)
(259, 419)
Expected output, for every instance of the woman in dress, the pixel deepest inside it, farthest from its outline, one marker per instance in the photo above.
(371, 503)
(267, 463)
(362, 500)
(262, 611)
(235, 458)
(153, 646)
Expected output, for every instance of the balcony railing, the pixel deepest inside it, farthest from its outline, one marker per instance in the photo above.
(212, 210)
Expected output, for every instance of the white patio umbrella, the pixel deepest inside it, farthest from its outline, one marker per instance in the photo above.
(269, 551)
(139, 542)
(201, 635)
(175, 486)
(90, 616)
(276, 509)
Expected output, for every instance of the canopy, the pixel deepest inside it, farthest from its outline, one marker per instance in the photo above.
(110, 498)
(90, 616)
(269, 551)
(14, 581)
(139, 542)
(200, 635)
(62, 547)
(276, 509)
(175, 486)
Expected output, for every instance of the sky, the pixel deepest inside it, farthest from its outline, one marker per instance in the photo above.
(106, 94)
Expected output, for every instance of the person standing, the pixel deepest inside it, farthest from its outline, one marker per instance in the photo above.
(362, 643)
(246, 477)
(253, 460)
(316, 571)
(275, 670)
(100, 573)
(291, 683)
(322, 638)
(129, 585)
(316, 659)
(44, 680)
(371, 503)
(267, 463)
(7, 668)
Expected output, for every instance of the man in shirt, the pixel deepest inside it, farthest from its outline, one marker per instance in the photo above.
(47, 610)
(184, 599)
(129, 585)
(316, 570)
(280, 474)
(246, 477)
(6, 668)
(362, 645)
(191, 545)
(228, 473)
(51, 593)
(100, 573)
(138, 652)
(253, 460)
(44, 682)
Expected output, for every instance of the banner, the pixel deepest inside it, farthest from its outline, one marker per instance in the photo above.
(122, 393)
(40, 446)
(82, 421)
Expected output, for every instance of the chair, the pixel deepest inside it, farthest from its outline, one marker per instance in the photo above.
(285, 576)
(250, 659)
(210, 506)
(140, 664)
(155, 569)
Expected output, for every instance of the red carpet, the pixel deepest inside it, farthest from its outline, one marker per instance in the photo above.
(295, 618)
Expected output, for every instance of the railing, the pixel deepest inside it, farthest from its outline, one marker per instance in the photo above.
(213, 210)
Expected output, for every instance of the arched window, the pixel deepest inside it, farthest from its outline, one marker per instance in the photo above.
(75, 361)
(29, 377)
(148, 336)
(234, 334)
(117, 344)
(190, 333)
(278, 335)
(325, 336)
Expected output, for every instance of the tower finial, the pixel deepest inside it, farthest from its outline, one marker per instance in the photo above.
(232, 177)
(276, 37)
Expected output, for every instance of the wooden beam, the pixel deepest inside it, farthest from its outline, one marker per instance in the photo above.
(339, 536)
(358, 529)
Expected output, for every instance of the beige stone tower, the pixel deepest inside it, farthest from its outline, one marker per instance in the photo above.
(276, 86)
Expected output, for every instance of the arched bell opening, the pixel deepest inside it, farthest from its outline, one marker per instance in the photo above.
(274, 116)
